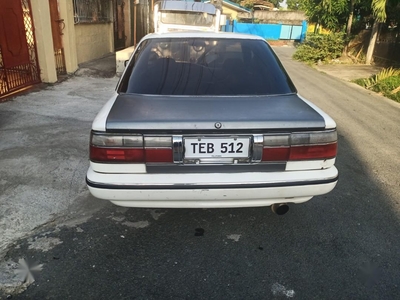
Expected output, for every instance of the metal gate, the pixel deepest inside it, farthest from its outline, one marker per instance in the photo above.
(19, 66)
(57, 26)
(119, 25)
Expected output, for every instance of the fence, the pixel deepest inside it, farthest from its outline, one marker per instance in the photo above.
(387, 47)
(269, 31)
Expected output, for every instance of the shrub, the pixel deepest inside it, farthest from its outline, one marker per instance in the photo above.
(386, 82)
(320, 47)
(382, 75)
(387, 86)
(361, 81)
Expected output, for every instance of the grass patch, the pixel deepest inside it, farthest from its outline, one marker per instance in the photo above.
(386, 82)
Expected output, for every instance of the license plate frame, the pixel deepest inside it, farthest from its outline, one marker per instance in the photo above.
(215, 148)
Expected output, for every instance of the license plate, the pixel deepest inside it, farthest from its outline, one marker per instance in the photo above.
(230, 147)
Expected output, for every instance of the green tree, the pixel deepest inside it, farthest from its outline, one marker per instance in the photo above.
(276, 3)
(293, 4)
(329, 13)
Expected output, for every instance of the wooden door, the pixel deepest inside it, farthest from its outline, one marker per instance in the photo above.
(14, 47)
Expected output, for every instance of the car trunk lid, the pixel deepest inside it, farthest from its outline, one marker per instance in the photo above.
(134, 112)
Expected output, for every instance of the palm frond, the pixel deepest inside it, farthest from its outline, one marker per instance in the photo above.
(383, 74)
(379, 10)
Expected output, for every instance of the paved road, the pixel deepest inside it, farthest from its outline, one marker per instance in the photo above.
(343, 245)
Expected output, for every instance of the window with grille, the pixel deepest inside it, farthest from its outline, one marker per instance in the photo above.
(92, 11)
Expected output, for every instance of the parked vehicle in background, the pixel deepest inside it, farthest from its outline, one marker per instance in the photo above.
(207, 120)
(184, 15)
(172, 16)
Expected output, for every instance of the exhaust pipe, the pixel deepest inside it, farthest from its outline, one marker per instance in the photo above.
(280, 208)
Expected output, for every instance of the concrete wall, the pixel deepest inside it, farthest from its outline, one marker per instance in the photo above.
(81, 42)
(68, 37)
(44, 40)
(282, 17)
(311, 29)
(93, 40)
(231, 13)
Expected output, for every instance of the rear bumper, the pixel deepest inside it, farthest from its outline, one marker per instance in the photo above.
(216, 190)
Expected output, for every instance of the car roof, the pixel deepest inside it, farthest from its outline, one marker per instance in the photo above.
(202, 34)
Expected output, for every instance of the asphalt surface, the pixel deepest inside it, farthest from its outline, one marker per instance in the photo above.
(343, 245)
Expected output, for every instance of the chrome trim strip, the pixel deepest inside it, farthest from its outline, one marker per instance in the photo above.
(209, 185)
(177, 148)
(258, 145)
(174, 169)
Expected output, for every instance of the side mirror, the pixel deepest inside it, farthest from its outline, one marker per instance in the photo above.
(126, 63)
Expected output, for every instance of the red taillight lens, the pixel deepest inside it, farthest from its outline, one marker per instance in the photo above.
(98, 154)
(130, 148)
(300, 146)
(276, 154)
(159, 155)
(313, 152)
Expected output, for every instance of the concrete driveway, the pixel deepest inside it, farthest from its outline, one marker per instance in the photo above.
(44, 155)
(349, 72)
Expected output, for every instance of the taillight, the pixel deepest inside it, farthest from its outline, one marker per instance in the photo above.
(158, 149)
(313, 152)
(276, 154)
(116, 154)
(130, 148)
(158, 155)
(300, 146)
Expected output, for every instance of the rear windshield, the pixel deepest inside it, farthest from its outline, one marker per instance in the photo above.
(206, 67)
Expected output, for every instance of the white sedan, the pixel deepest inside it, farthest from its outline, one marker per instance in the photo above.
(209, 120)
